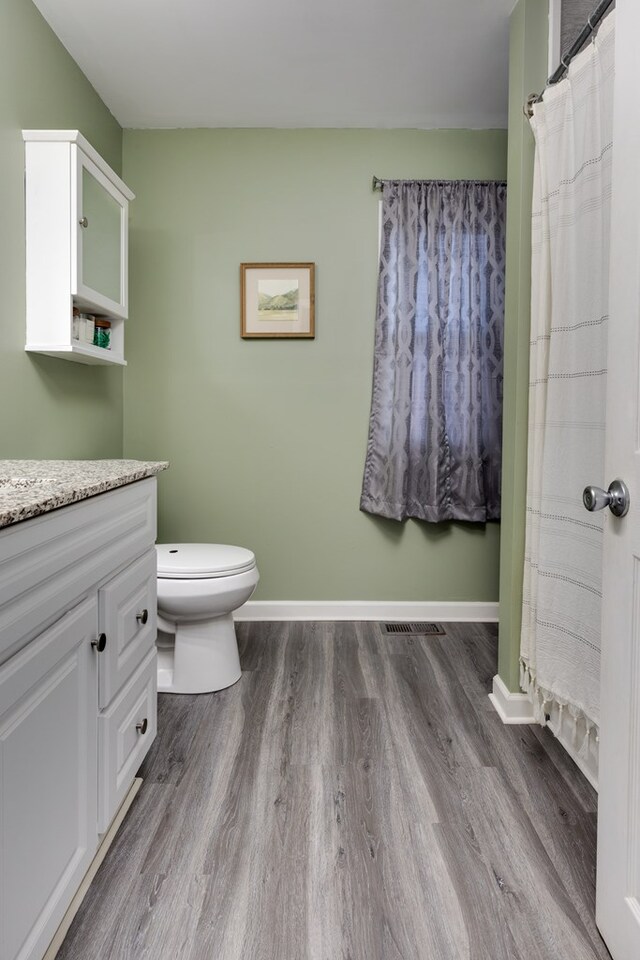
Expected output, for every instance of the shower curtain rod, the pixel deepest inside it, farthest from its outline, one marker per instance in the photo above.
(587, 31)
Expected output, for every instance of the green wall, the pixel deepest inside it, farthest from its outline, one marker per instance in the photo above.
(50, 408)
(267, 438)
(527, 74)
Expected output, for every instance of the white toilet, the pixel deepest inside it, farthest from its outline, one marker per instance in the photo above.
(199, 587)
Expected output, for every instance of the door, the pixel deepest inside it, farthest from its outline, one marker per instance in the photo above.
(48, 780)
(618, 879)
(100, 217)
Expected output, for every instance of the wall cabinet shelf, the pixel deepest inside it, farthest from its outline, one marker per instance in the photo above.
(77, 213)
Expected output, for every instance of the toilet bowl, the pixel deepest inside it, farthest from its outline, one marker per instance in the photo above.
(199, 587)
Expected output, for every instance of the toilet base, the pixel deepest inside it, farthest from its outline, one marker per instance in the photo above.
(200, 657)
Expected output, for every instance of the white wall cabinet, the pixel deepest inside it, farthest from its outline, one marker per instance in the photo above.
(77, 211)
(77, 697)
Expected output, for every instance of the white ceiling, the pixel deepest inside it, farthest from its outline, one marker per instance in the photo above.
(291, 63)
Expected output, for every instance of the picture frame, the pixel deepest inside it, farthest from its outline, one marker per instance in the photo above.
(277, 301)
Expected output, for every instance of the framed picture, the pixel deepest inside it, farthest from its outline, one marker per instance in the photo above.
(277, 300)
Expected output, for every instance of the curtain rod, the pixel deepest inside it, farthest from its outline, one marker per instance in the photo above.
(587, 31)
(377, 183)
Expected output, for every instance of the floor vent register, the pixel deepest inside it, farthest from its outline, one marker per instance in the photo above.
(415, 629)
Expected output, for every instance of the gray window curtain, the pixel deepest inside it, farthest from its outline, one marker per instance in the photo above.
(434, 449)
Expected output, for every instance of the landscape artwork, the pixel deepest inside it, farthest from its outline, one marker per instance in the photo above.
(277, 300)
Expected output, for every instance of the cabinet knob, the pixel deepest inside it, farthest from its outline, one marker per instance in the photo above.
(99, 644)
(142, 617)
(141, 727)
(83, 222)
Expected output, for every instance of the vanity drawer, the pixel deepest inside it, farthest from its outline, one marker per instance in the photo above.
(127, 618)
(125, 732)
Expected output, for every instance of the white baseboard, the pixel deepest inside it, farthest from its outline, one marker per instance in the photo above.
(396, 610)
(511, 707)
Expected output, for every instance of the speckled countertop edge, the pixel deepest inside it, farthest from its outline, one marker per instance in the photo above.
(50, 484)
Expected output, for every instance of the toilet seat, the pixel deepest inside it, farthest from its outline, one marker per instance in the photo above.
(199, 561)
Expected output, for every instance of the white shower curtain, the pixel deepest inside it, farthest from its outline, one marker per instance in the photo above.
(560, 645)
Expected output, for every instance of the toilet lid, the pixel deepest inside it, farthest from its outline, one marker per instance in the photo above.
(198, 560)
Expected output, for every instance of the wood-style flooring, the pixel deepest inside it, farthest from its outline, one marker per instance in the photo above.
(353, 797)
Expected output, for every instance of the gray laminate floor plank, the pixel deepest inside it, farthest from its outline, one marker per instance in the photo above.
(353, 797)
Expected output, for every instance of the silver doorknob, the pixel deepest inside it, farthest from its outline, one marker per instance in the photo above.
(616, 498)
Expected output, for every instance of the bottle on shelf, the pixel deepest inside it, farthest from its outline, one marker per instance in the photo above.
(102, 333)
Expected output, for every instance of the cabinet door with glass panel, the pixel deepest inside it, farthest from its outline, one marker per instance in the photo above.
(99, 224)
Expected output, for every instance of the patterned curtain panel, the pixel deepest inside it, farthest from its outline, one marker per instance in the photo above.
(560, 647)
(434, 449)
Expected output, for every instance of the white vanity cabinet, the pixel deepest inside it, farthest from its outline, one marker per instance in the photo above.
(76, 210)
(77, 697)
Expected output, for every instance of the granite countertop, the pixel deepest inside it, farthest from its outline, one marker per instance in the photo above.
(31, 487)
